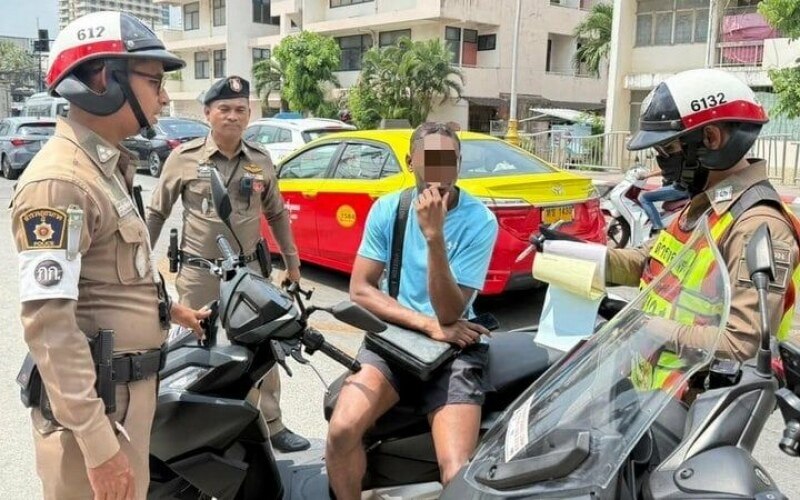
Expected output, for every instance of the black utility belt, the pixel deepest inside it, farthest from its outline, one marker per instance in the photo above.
(111, 370)
(187, 259)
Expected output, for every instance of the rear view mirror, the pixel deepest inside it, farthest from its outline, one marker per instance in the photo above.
(220, 197)
(759, 254)
(357, 316)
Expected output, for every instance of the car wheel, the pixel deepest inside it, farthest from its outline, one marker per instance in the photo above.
(154, 164)
(8, 171)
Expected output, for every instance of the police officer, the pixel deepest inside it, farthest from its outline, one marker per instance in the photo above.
(253, 188)
(702, 123)
(85, 263)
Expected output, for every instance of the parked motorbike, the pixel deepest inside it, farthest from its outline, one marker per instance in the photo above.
(627, 222)
(633, 412)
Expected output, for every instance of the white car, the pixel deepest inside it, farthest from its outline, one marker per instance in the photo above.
(281, 136)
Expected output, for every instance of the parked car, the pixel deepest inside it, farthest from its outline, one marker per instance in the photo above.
(330, 184)
(280, 136)
(170, 133)
(20, 139)
(42, 104)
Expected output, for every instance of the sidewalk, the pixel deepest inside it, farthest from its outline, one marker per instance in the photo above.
(789, 194)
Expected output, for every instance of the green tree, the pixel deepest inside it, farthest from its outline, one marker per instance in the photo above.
(307, 61)
(404, 81)
(594, 34)
(784, 15)
(17, 66)
(267, 78)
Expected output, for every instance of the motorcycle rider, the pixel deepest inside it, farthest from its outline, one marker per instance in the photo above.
(702, 123)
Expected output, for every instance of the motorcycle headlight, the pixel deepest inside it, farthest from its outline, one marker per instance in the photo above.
(182, 379)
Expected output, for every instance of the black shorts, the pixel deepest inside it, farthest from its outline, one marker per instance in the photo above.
(464, 380)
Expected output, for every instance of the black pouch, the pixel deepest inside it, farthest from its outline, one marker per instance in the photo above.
(411, 351)
(30, 382)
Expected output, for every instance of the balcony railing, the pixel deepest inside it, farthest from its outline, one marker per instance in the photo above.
(742, 32)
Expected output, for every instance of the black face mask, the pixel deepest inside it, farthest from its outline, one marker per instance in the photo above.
(684, 167)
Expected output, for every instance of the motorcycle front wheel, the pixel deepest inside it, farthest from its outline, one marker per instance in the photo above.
(618, 232)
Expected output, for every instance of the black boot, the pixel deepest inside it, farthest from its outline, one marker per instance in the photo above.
(287, 441)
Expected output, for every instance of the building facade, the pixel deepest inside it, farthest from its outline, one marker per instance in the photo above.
(221, 37)
(152, 15)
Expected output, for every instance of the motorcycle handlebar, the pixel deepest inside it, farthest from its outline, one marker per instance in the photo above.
(314, 341)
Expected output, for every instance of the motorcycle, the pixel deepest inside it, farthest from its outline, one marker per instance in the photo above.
(633, 412)
(627, 222)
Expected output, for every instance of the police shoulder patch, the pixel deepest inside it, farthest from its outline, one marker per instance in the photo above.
(256, 147)
(44, 228)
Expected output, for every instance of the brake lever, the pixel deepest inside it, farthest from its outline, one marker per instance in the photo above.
(280, 355)
(297, 354)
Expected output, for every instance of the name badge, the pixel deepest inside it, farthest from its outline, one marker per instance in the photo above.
(203, 172)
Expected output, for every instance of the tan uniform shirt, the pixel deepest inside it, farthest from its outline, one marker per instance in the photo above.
(187, 174)
(78, 278)
(741, 338)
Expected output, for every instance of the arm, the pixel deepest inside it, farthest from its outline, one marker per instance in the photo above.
(624, 266)
(48, 316)
(165, 194)
(277, 216)
(741, 337)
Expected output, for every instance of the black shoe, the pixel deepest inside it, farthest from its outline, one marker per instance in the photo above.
(287, 441)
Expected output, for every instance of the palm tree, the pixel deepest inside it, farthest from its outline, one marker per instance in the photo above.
(405, 81)
(268, 78)
(594, 34)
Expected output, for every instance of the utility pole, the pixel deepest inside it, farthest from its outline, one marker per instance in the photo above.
(512, 135)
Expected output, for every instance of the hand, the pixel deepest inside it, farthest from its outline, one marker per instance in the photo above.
(113, 479)
(461, 333)
(431, 210)
(292, 275)
(189, 318)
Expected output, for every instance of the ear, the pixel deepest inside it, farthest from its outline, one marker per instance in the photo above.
(99, 81)
(206, 111)
(713, 137)
(409, 164)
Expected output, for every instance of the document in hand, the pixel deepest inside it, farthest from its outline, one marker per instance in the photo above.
(576, 274)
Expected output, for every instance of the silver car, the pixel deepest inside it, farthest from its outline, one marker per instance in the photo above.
(20, 139)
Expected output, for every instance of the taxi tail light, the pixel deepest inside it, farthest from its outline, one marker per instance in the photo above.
(516, 216)
(587, 214)
(173, 143)
(16, 141)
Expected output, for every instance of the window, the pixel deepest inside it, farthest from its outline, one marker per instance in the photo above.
(669, 22)
(389, 38)
(219, 12)
(311, 164)
(343, 3)
(261, 55)
(45, 129)
(487, 42)
(4, 130)
(284, 135)
(201, 65)
(353, 49)
(264, 134)
(365, 161)
(219, 63)
(262, 13)
(191, 16)
(494, 158)
(452, 40)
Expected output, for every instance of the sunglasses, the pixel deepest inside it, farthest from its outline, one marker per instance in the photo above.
(668, 149)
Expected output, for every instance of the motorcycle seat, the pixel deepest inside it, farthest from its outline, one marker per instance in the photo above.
(674, 205)
(515, 361)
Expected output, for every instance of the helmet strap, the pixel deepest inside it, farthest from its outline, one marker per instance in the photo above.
(693, 176)
(121, 75)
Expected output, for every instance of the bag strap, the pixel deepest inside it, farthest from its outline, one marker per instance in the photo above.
(398, 236)
(757, 194)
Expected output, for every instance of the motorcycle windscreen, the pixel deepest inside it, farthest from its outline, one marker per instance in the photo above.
(570, 432)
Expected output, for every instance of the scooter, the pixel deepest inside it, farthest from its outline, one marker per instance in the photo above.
(627, 222)
(633, 413)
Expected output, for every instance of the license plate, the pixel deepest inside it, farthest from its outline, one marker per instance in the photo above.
(554, 214)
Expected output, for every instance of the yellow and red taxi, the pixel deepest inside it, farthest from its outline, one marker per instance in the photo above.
(330, 184)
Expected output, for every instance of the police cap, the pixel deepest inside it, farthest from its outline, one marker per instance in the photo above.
(231, 87)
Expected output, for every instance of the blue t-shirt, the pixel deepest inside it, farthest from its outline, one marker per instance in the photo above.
(470, 230)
